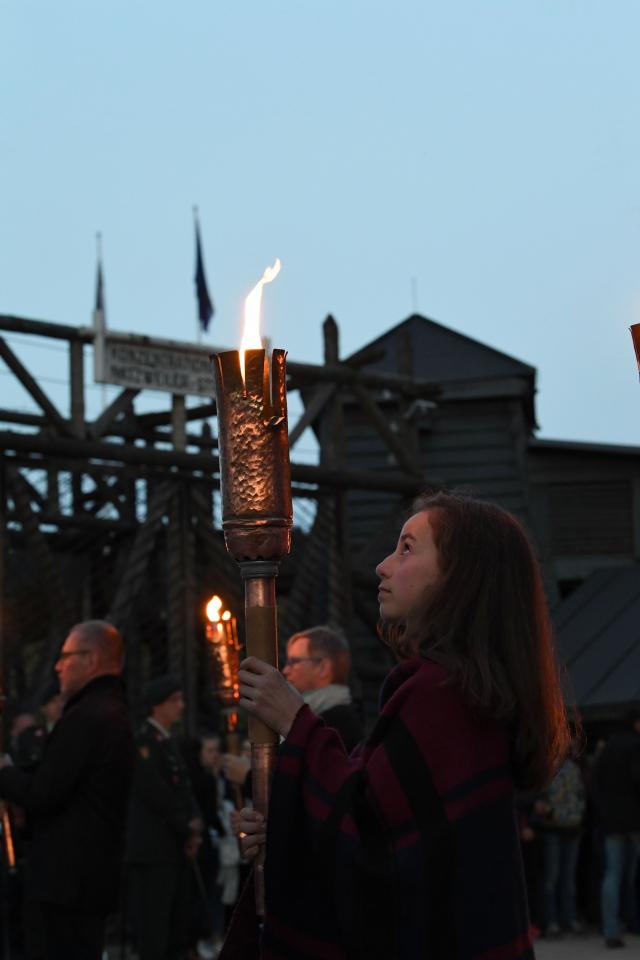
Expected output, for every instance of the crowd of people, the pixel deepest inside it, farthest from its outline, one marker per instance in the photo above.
(459, 818)
(156, 850)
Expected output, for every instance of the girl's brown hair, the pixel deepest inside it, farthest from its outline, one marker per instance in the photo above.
(487, 622)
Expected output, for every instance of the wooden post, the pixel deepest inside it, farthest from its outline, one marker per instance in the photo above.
(76, 381)
(178, 422)
(332, 456)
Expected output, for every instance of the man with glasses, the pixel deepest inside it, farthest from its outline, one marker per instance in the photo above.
(77, 797)
(317, 665)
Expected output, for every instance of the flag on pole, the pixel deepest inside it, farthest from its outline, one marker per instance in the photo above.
(205, 304)
(99, 304)
(635, 334)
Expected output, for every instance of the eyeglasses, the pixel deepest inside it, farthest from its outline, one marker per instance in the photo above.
(65, 654)
(292, 661)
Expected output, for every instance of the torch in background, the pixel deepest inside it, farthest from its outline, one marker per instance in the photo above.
(255, 480)
(224, 651)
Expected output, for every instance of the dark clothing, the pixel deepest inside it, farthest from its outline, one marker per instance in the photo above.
(345, 721)
(72, 935)
(77, 800)
(160, 903)
(161, 801)
(161, 809)
(616, 784)
(30, 747)
(406, 849)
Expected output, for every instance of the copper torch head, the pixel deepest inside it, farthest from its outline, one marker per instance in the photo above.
(255, 475)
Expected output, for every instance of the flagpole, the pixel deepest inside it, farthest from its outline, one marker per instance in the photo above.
(197, 230)
(99, 315)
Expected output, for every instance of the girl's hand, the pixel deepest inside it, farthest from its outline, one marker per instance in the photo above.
(265, 693)
(249, 826)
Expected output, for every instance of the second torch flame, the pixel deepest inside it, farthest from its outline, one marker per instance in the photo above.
(251, 333)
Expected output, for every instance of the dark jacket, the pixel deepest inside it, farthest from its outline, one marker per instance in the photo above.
(162, 803)
(77, 800)
(616, 784)
(345, 721)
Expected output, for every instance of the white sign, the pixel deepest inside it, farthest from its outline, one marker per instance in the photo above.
(144, 363)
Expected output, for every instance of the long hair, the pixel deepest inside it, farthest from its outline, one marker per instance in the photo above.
(486, 621)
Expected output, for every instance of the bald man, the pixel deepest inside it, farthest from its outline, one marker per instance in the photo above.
(77, 797)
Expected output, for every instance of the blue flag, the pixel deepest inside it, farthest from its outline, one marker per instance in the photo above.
(205, 304)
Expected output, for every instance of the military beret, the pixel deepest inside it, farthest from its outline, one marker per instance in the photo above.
(160, 689)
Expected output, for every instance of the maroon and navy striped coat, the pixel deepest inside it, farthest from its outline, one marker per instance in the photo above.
(406, 850)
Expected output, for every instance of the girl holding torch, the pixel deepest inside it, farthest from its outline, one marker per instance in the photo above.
(408, 848)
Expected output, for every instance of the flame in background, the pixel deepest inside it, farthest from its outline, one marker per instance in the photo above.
(213, 609)
(251, 333)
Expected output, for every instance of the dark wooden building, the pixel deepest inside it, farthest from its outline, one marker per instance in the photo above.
(579, 501)
(116, 516)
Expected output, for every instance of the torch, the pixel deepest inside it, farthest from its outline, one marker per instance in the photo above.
(224, 650)
(255, 480)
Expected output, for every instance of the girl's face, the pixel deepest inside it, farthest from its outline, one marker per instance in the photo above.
(405, 573)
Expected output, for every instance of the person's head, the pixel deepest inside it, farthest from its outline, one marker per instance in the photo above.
(317, 657)
(464, 588)
(92, 648)
(164, 700)
(209, 753)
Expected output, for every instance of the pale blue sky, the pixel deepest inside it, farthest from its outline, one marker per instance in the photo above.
(487, 148)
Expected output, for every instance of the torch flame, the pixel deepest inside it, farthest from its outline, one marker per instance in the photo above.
(251, 333)
(213, 609)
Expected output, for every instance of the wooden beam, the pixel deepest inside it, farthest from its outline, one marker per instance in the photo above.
(22, 374)
(161, 417)
(382, 426)
(305, 373)
(42, 328)
(317, 402)
(76, 381)
(149, 457)
(117, 406)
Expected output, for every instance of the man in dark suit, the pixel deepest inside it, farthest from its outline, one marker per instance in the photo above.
(76, 797)
(164, 829)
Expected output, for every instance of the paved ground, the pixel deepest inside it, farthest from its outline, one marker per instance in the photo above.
(590, 947)
(586, 948)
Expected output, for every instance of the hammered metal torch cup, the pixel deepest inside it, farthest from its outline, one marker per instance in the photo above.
(255, 480)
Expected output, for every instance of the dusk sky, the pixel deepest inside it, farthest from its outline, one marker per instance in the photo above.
(476, 160)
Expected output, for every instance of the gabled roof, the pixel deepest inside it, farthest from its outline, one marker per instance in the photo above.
(598, 633)
(439, 354)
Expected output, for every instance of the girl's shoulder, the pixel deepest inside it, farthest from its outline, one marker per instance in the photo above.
(417, 675)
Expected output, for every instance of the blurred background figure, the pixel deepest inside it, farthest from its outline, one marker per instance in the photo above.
(559, 816)
(31, 740)
(616, 797)
(204, 760)
(164, 831)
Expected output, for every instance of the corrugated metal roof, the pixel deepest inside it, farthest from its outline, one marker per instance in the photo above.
(598, 634)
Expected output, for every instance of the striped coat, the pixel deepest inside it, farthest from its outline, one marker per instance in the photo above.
(406, 850)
